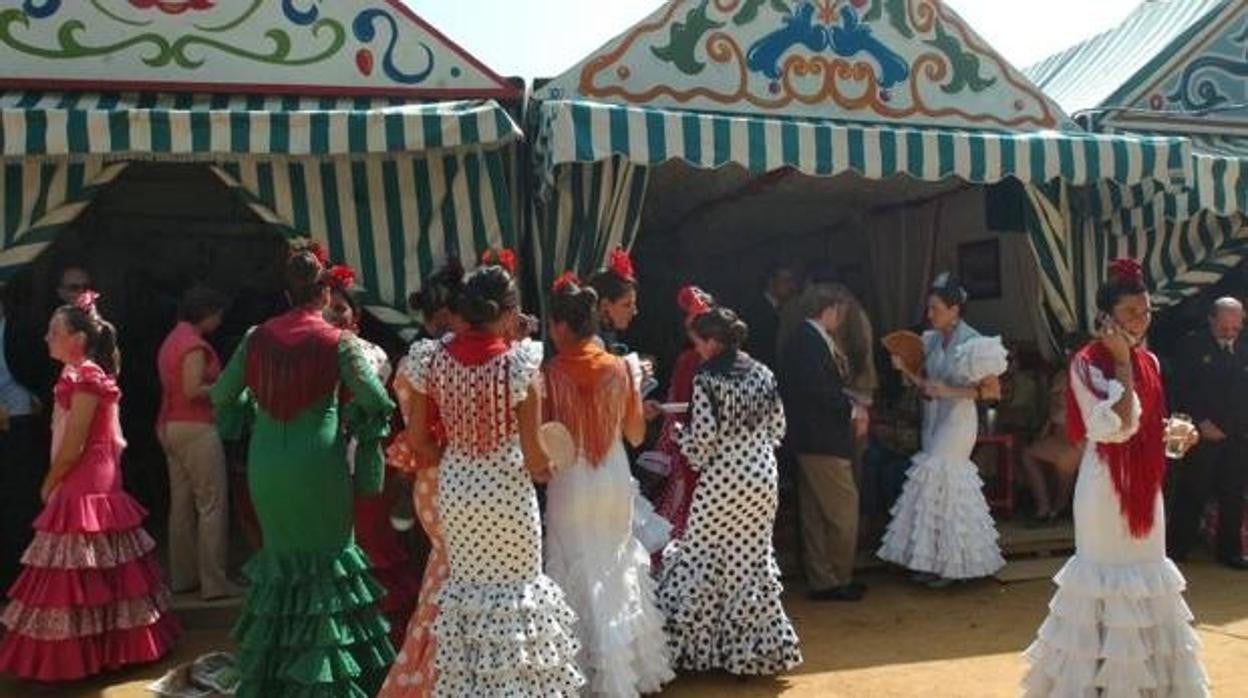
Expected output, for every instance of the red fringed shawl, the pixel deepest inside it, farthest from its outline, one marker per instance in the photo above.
(1138, 465)
(292, 361)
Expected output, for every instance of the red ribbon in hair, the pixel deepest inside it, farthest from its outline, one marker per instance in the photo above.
(620, 264)
(693, 301)
(565, 279)
(1138, 465)
(504, 258)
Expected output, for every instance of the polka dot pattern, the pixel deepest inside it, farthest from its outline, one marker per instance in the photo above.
(720, 586)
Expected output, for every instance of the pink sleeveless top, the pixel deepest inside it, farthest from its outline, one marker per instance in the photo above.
(174, 405)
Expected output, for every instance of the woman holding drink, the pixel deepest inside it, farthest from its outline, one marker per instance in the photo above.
(1118, 624)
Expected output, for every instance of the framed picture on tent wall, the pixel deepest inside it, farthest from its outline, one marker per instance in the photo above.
(979, 266)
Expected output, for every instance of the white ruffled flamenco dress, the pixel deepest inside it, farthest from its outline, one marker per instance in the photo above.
(604, 570)
(941, 524)
(1118, 626)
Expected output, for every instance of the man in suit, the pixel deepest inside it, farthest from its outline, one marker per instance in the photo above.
(822, 422)
(1212, 387)
(780, 287)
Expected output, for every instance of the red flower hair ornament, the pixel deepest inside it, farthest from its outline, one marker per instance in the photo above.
(341, 277)
(1126, 269)
(620, 264)
(693, 301)
(567, 278)
(504, 258)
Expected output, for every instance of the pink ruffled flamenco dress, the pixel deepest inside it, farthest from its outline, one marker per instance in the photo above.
(91, 596)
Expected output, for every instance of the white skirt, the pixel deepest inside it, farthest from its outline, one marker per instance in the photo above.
(1118, 625)
(591, 552)
(941, 524)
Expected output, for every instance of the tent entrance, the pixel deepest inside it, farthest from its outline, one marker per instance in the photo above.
(152, 234)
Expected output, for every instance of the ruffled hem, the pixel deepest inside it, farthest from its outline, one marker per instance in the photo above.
(624, 650)
(66, 623)
(742, 630)
(76, 658)
(61, 588)
(310, 625)
(505, 640)
(941, 524)
(87, 550)
(90, 513)
(1116, 630)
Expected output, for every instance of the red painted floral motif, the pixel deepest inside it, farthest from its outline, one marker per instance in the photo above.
(174, 7)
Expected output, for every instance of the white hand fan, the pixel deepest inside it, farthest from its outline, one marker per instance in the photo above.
(557, 442)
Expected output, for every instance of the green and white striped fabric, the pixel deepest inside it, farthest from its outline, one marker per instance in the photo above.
(580, 132)
(392, 198)
(208, 127)
(38, 197)
(591, 210)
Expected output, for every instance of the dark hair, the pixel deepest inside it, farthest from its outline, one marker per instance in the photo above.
(305, 277)
(722, 325)
(101, 345)
(440, 292)
(610, 286)
(200, 303)
(949, 290)
(488, 293)
(575, 306)
(352, 301)
(1115, 289)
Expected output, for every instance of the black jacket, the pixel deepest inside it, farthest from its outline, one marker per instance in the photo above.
(1212, 384)
(815, 403)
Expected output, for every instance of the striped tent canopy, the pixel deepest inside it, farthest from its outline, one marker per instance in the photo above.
(580, 132)
(208, 127)
(1173, 67)
(391, 188)
(877, 88)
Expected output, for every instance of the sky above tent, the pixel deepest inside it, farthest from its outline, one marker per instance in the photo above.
(543, 38)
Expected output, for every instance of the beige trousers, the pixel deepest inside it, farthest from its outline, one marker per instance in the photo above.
(828, 504)
(198, 508)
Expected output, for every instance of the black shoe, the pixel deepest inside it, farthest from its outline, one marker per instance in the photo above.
(921, 577)
(845, 592)
(1236, 563)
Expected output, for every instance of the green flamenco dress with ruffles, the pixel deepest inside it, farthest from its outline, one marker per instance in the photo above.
(310, 625)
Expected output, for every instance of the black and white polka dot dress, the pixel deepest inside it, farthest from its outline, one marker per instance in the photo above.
(503, 627)
(720, 587)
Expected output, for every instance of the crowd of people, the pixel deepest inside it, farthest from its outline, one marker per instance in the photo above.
(552, 575)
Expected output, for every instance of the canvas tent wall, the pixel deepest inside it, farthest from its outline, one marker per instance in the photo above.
(355, 124)
(870, 88)
(1173, 67)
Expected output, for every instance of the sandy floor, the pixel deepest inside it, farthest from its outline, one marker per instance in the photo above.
(902, 641)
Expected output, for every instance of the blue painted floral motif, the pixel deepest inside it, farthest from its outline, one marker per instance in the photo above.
(854, 37)
(1206, 93)
(39, 10)
(798, 29)
(365, 31)
(300, 17)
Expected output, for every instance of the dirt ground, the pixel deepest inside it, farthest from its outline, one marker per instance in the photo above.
(962, 642)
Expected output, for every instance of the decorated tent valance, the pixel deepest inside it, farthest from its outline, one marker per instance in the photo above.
(586, 132)
(911, 62)
(344, 47)
(229, 126)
